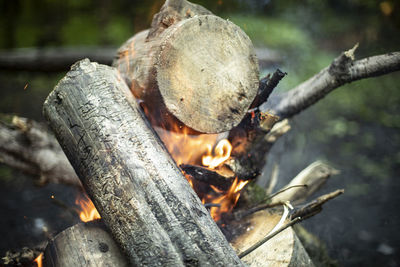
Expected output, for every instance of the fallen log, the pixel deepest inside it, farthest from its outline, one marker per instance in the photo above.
(143, 198)
(194, 65)
(29, 146)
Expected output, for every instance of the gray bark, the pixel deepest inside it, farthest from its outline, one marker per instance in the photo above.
(143, 198)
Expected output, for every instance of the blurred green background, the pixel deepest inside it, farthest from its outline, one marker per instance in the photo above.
(355, 128)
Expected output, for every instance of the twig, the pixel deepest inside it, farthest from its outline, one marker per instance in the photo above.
(315, 206)
(285, 189)
(341, 71)
(267, 85)
(298, 215)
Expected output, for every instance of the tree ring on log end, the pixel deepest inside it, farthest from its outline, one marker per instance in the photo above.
(207, 65)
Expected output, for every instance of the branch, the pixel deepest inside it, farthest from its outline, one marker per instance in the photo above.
(52, 59)
(341, 71)
(30, 147)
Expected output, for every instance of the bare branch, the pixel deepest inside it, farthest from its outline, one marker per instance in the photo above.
(341, 71)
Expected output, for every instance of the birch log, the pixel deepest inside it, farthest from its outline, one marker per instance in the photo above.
(194, 65)
(143, 198)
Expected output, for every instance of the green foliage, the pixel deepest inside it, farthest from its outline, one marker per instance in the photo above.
(274, 33)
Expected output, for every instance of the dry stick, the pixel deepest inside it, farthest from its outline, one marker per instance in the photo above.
(341, 71)
(207, 176)
(267, 85)
(284, 189)
(303, 213)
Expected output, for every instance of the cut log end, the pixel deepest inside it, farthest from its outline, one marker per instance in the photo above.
(203, 70)
(207, 65)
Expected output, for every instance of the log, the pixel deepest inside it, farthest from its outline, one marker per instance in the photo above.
(84, 244)
(29, 146)
(194, 65)
(90, 244)
(142, 196)
(285, 249)
(52, 59)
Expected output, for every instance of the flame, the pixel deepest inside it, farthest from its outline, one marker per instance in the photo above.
(222, 153)
(88, 211)
(39, 260)
(197, 149)
(227, 200)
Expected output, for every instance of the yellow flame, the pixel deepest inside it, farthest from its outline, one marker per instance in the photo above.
(88, 211)
(39, 260)
(222, 152)
(228, 200)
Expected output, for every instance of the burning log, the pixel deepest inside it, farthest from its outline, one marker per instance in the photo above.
(194, 65)
(141, 195)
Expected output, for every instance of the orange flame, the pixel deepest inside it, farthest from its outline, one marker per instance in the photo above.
(228, 200)
(186, 147)
(222, 153)
(39, 260)
(88, 211)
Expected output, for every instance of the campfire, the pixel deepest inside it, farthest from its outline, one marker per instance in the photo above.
(165, 143)
(165, 191)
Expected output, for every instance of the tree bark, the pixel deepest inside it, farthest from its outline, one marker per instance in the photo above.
(144, 199)
(194, 65)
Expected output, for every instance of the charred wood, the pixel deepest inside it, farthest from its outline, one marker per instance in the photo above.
(140, 193)
(207, 176)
